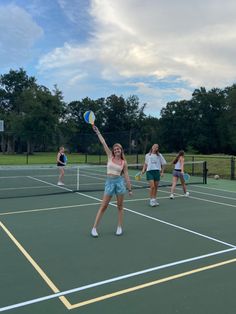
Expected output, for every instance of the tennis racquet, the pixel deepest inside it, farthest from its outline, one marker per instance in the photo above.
(89, 117)
(138, 176)
(65, 159)
(186, 177)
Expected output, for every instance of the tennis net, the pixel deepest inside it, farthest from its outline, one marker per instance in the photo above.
(36, 181)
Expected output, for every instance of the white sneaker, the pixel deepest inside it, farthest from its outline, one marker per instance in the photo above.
(94, 233)
(172, 196)
(156, 203)
(152, 202)
(119, 231)
(186, 194)
(60, 183)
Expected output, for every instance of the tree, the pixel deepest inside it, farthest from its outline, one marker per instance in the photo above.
(149, 133)
(31, 112)
(207, 110)
(40, 122)
(12, 85)
(116, 117)
(230, 120)
(175, 125)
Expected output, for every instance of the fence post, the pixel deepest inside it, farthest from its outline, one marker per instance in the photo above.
(192, 165)
(205, 172)
(232, 174)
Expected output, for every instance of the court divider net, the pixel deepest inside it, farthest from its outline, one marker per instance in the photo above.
(23, 181)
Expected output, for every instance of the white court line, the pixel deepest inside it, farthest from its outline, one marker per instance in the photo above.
(160, 190)
(179, 227)
(164, 222)
(217, 189)
(26, 211)
(125, 276)
(153, 218)
(209, 201)
(215, 195)
(143, 199)
(114, 279)
(51, 184)
(203, 199)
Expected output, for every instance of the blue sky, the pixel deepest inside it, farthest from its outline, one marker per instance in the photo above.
(159, 50)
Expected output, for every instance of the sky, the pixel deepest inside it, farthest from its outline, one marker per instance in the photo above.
(159, 50)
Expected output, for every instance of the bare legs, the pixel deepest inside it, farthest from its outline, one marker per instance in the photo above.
(61, 175)
(174, 182)
(153, 188)
(183, 185)
(153, 192)
(102, 209)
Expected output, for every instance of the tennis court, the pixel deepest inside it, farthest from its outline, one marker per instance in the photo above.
(179, 257)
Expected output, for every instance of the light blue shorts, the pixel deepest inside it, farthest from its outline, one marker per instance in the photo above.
(115, 185)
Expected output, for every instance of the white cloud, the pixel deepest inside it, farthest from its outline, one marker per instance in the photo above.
(18, 33)
(193, 43)
(163, 38)
(156, 98)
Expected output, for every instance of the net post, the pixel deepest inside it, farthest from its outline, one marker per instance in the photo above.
(77, 176)
(192, 165)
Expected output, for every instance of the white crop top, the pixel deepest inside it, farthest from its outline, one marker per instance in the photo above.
(178, 165)
(113, 168)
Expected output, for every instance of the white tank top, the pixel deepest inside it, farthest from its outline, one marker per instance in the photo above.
(178, 165)
(113, 168)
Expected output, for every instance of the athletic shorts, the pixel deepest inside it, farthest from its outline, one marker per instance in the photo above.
(177, 174)
(153, 175)
(115, 185)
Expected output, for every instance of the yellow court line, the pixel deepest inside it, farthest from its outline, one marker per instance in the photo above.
(36, 266)
(152, 283)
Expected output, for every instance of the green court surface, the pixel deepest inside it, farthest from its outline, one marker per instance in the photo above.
(179, 257)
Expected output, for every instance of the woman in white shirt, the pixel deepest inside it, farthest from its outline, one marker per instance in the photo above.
(178, 173)
(154, 168)
(116, 182)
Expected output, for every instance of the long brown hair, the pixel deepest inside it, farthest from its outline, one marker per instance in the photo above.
(175, 160)
(122, 156)
(157, 152)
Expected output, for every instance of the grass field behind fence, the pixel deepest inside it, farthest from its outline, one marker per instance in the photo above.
(220, 165)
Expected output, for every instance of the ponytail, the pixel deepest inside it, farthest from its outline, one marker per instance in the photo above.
(175, 160)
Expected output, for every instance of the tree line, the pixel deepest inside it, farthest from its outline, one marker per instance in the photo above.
(37, 119)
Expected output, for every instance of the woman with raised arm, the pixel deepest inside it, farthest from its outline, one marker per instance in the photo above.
(116, 183)
(178, 173)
